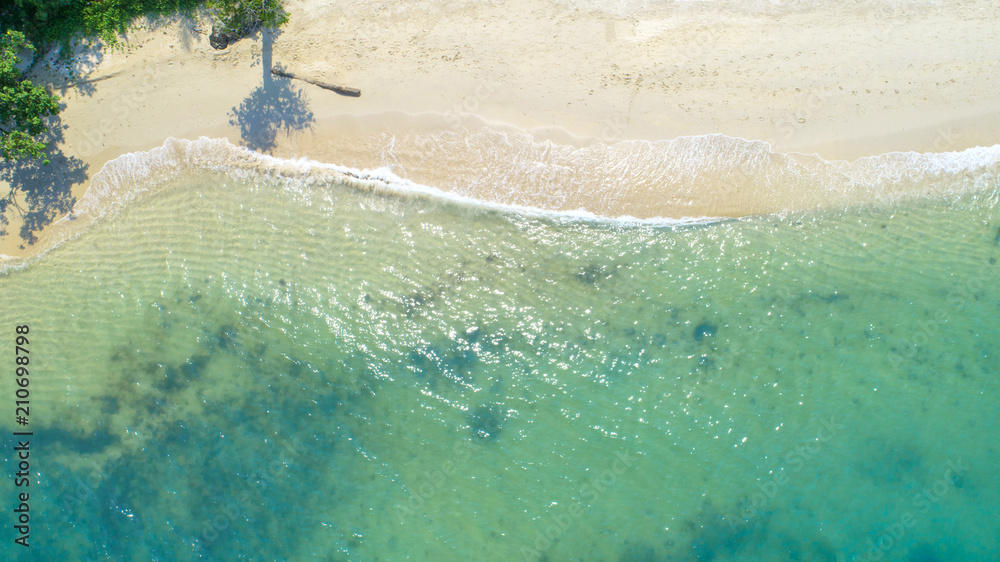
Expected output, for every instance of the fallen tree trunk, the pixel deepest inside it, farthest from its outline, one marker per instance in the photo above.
(342, 90)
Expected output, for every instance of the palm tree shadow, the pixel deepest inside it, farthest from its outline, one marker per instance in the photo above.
(271, 108)
(46, 188)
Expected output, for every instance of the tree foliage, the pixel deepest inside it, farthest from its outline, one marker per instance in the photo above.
(60, 21)
(24, 106)
(241, 17)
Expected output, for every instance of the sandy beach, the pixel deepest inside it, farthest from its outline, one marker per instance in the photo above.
(557, 77)
(591, 280)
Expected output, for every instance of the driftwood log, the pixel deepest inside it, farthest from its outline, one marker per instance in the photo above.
(342, 90)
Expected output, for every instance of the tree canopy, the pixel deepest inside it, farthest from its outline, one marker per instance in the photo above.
(60, 21)
(240, 17)
(24, 106)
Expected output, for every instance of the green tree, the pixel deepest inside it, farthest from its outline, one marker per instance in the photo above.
(24, 107)
(241, 17)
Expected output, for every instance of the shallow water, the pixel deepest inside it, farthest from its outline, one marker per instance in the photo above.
(271, 369)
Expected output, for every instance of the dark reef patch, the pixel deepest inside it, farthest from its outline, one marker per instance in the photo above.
(705, 330)
(224, 339)
(890, 463)
(486, 421)
(168, 380)
(834, 297)
(924, 553)
(193, 367)
(85, 444)
(593, 273)
(426, 361)
(414, 302)
(461, 362)
(431, 362)
(109, 404)
(171, 379)
(471, 335)
(639, 552)
(418, 301)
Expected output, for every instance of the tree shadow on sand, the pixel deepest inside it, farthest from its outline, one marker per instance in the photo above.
(40, 192)
(271, 108)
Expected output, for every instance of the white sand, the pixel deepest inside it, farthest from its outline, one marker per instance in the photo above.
(817, 77)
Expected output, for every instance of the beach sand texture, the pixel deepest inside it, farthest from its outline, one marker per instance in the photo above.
(552, 93)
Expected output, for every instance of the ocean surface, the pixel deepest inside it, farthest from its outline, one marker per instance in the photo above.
(239, 360)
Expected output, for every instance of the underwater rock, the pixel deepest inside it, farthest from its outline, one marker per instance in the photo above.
(225, 338)
(704, 330)
(486, 421)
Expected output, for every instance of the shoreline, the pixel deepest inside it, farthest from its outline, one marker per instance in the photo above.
(867, 182)
(577, 77)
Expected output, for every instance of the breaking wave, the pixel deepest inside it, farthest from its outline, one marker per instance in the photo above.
(682, 181)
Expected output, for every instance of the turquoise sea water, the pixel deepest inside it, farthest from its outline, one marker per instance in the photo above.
(245, 367)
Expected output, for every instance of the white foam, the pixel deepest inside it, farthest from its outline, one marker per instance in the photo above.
(608, 170)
